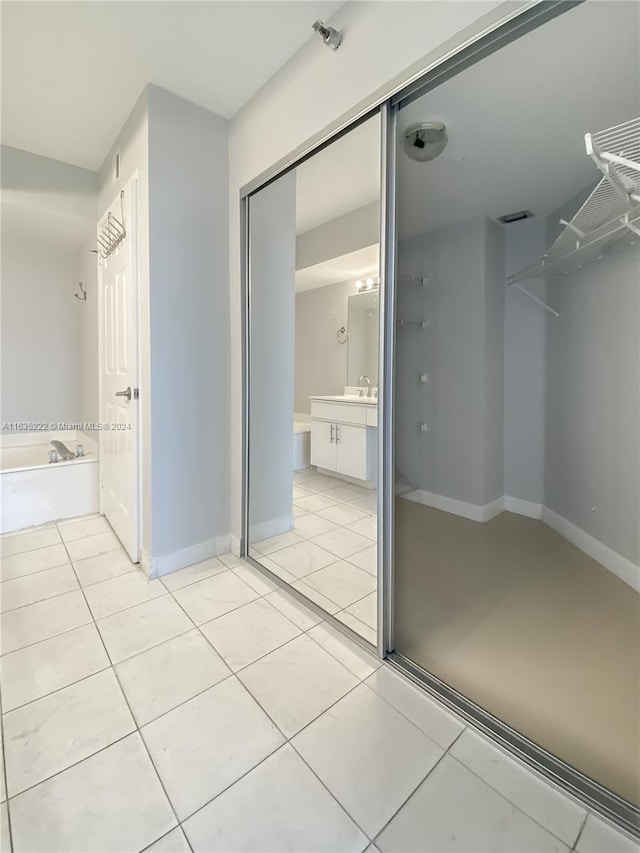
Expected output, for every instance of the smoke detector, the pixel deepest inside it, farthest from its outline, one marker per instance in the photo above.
(425, 141)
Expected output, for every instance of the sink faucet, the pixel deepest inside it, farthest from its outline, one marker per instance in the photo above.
(368, 385)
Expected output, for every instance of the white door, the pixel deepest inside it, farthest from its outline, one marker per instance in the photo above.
(351, 446)
(323, 447)
(118, 324)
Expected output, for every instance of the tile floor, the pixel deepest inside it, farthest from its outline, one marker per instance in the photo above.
(330, 555)
(210, 711)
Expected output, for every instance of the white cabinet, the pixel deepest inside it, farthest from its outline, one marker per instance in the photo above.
(341, 441)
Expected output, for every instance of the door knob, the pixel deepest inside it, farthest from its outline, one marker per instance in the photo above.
(126, 393)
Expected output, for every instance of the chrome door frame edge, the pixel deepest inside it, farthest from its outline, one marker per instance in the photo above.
(386, 350)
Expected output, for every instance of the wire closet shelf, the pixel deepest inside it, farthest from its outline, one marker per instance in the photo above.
(609, 220)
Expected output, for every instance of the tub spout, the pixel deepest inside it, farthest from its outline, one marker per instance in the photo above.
(63, 450)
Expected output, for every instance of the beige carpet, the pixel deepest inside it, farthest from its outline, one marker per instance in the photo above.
(529, 627)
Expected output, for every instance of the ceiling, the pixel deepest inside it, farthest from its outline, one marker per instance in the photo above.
(72, 71)
(340, 178)
(516, 121)
(359, 264)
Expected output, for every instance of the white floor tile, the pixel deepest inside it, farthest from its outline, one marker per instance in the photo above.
(370, 757)
(43, 620)
(366, 610)
(140, 628)
(104, 566)
(302, 559)
(298, 511)
(598, 837)
(40, 669)
(205, 745)
(313, 525)
(209, 599)
(5, 838)
(359, 627)
(317, 597)
(366, 527)
(54, 732)
(193, 574)
(315, 502)
(299, 492)
(434, 720)
(230, 560)
(277, 570)
(546, 805)
(358, 661)
(368, 504)
(276, 543)
(113, 801)
(160, 679)
(28, 540)
(342, 514)
(30, 562)
(296, 683)
(342, 582)
(320, 484)
(112, 596)
(294, 610)
(249, 633)
(343, 494)
(367, 560)
(91, 546)
(38, 587)
(174, 842)
(255, 579)
(342, 542)
(455, 810)
(72, 530)
(289, 809)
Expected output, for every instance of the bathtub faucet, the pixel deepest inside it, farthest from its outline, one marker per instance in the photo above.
(63, 450)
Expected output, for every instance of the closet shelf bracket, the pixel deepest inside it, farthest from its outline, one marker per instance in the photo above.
(535, 299)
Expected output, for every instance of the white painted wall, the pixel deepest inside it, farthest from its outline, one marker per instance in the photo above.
(383, 42)
(272, 215)
(321, 362)
(524, 367)
(48, 212)
(189, 330)
(41, 332)
(88, 275)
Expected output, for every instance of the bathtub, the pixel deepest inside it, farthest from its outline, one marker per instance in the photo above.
(34, 491)
(301, 442)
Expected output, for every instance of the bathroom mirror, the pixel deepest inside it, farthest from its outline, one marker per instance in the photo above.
(362, 357)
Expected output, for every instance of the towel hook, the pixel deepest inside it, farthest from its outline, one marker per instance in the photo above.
(82, 296)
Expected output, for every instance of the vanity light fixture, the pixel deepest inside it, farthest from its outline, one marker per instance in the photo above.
(367, 284)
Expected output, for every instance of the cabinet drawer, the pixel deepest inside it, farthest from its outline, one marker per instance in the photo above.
(343, 413)
(372, 416)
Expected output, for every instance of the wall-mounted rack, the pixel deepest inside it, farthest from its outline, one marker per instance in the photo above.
(609, 220)
(415, 279)
(422, 324)
(112, 232)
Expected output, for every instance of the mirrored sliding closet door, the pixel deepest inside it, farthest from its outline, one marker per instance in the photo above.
(312, 365)
(517, 378)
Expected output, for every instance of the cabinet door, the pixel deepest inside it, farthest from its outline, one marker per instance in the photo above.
(351, 449)
(323, 445)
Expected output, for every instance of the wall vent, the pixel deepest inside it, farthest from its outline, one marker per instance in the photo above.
(515, 217)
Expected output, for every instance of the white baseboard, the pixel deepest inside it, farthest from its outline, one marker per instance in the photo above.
(273, 527)
(474, 512)
(618, 565)
(164, 565)
(235, 545)
(520, 507)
